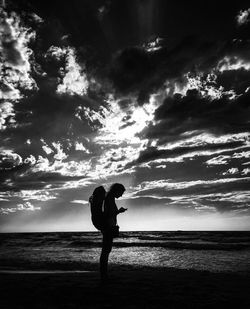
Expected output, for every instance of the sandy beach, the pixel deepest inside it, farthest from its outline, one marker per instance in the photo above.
(147, 270)
(146, 288)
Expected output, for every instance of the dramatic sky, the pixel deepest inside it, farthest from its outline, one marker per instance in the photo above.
(154, 94)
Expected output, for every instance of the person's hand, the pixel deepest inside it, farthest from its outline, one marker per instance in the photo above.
(122, 209)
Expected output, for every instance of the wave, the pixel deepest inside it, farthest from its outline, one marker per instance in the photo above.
(167, 245)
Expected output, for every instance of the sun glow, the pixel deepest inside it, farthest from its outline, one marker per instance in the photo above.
(120, 125)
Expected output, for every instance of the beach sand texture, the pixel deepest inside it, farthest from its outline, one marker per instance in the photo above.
(147, 288)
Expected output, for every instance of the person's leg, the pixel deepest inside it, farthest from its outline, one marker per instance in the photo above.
(107, 242)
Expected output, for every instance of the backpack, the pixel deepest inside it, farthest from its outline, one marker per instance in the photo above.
(96, 207)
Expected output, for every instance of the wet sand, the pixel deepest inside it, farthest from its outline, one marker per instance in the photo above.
(146, 288)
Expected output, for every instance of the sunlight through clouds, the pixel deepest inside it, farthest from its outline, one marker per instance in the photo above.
(115, 126)
(74, 79)
(165, 111)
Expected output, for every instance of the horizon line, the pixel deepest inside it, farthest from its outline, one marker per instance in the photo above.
(125, 231)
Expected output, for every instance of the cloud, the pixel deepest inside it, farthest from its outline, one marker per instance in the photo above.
(234, 80)
(42, 195)
(134, 70)
(233, 63)
(145, 201)
(219, 160)
(60, 154)
(60, 169)
(49, 117)
(121, 123)
(243, 17)
(181, 114)
(179, 153)
(6, 115)
(246, 171)
(81, 147)
(74, 79)
(27, 206)
(9, 160)
(233, 202)
(15, 56)
(231, 171)
(168, 184)
(130, 67)
(18, 173)
(167, 188)
(47, 149)
(222, 195)
(82, 202)
(243, 154)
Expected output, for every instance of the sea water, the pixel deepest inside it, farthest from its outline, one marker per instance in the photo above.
(209, 251)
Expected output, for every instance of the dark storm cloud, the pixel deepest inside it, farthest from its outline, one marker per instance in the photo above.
(132, 68)
(180, 114)
(77, 24)
(236, 47)
(135, 70)
(237, 80)
(142, 72)
(49, 116)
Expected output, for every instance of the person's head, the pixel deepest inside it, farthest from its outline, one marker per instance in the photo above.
(117, 189)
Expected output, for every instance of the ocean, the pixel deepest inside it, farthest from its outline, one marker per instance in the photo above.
(204, 251)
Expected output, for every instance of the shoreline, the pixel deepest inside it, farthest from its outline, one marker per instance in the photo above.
(118, 269)
(10, 271)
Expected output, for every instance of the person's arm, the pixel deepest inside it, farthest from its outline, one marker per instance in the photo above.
(121, 210)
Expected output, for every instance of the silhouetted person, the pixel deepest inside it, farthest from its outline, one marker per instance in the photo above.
(110, 228)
